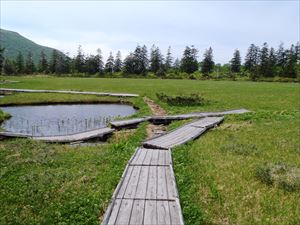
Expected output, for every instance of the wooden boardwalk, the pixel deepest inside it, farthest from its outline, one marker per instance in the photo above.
(69, 92)
(98, 133)
(147, 193)
(120, 124)
(183, 134)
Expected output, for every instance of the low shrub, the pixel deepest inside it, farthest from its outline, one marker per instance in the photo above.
(182, 100)
(280, 175)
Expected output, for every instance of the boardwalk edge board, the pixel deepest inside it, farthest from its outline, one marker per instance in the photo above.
(69, 92)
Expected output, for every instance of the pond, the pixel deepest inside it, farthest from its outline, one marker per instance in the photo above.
(46, 120)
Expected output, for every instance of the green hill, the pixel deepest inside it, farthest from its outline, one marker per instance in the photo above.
(13, 42)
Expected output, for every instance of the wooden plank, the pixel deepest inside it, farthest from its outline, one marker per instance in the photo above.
(147, 160)
(114, 213)
(76, 137)
(142, 183)
(125, 182)
(161, 158)
(129, 122)
(154, 159)
(150, 216)
(69, 92)
(140, 159)
(136, 156)
(163, 213)
(124, 212)
(152, 183)
(162, 192)
(171, 184)
(207, 122)
(175, 213)
(137, 215)
(133, 182)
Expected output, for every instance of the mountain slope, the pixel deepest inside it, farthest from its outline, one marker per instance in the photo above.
(13, 42)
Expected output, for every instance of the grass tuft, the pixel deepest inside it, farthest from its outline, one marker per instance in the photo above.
(193, 99)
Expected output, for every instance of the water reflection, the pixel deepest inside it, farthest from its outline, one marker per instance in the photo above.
(62, 119)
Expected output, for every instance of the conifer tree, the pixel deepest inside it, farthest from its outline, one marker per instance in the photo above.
(53, 61)
(189, 63)
(19, 63)
(176, 64)
(29, 66)
(235, 63)
(208, 62)
(156, 60)
(109, 66)
(264, 68)
(79, 61)
(272, 63)
(290, 69)
(169, 59)
(118, 62)
(43, 63)
(8, 67)
(99, 60)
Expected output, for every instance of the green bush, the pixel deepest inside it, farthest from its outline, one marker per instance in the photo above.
(182, 100)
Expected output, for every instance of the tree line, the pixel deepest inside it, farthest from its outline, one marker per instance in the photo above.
(259, 62)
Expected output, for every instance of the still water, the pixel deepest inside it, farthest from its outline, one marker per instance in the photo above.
(45, 120)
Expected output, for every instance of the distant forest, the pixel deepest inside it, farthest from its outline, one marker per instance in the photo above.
(260, 62)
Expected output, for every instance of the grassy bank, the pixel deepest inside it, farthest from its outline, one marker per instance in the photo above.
(216, 175)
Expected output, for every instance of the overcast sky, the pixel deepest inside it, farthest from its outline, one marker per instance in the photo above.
(121, 25)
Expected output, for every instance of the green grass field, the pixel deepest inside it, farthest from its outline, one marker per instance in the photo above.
(217, 175)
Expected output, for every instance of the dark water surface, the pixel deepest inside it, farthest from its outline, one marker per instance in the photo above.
(47, 120)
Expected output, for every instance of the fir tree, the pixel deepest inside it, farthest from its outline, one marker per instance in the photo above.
(79, 61)
(118, 62)
(156, 60)
(99, 60)
(272, 63)
(290, 68)
(19, 63)
(208, 62)
(29, 66)
(264, 68)
(252, 61)
(235, 63)
(8, 67)
(53, 61)
(43, 63)
(169, 59)
(109, 66)
(189, 63)
(176, 64)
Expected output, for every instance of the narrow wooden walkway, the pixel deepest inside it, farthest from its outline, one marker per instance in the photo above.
(98, 133)
(120, 124)
(146, 194)
(69, 92)
(183, 134)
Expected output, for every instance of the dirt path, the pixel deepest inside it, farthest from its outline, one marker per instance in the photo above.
(155, 130)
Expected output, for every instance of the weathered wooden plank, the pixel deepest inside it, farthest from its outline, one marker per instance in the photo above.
(207, 122)
(125, 182)
(141, 157)
(147, 160)
(162, 192)
(129, 122)
(175, 213)
(124, 212)
(152, 183)
(69, 92)
(171, 184)
(114, 213)
(154, 159)
(133, 182)
(163, 213)
(161, 157)
(137, 215)
(142, 183)
(150, 217)
(76, 137)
